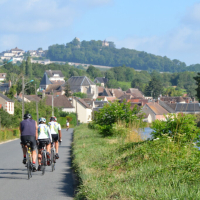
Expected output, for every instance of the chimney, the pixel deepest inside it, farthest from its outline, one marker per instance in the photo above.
(43, 94)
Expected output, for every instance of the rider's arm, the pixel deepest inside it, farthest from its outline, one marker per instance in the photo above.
(36, 131)
(49, 132)
(59, 131)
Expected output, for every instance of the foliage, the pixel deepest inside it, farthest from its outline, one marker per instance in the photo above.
(154, 88)
(158, 169)
(111, 113)
(181, 128)
(8, 134)
(197, 79)
(93, 72)
(80, 94)
(67, 90)
(94, 52)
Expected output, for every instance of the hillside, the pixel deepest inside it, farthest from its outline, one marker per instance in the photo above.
(96, 53)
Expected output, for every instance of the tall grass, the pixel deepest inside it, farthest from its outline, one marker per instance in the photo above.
(8, 134)
(134, 169)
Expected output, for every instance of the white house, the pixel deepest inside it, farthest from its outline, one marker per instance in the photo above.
(84, 110)
(7, 104)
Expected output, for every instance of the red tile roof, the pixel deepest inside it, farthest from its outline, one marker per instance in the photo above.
(157, 109)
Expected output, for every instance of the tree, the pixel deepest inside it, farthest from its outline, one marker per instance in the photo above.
(29, 67)
(67, 90)
(154, 88)
(197, 79)
(80, 94)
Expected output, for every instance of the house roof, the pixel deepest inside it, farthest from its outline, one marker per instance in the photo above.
(100, 103)
(135, 92)
(102, 79)
(175, 99)
(81, 101)
(54, 87)
(51, 73)
(4, 87)
(32, 98)
(45, 80)
(80, 81)
(187, 107)
(113, 92)
(59, 101)
(5, 97)
(88, 101)
(100, 89)
(166, 106)
(157, 109)
(16, 49)
(111, 98)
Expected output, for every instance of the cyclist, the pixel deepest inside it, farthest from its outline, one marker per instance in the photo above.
(67, 124)
(44, 135)
(28, 131)
(55, 130)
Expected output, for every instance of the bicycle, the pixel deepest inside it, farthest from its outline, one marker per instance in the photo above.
(53, 158)
(44, 157)
(29, 164)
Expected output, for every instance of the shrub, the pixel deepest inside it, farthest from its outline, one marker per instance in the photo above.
(181, 128)
(113, 112)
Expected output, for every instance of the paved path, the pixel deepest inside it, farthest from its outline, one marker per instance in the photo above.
(53, 185)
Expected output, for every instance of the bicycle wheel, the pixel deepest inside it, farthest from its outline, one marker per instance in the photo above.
(52, 160)
(28, 164)
(43, 162)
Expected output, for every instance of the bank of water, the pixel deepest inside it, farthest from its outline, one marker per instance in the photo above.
(146, 133)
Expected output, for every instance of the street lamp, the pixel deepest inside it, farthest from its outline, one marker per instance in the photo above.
(23, 86)
(7, 62)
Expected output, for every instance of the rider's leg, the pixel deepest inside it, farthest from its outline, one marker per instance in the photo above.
(49, 148)
(56, 146)
(24, 151)
(39, 157)
(34, 155)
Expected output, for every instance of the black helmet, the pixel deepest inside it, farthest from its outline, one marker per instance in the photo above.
(27, 116)
(52, 118)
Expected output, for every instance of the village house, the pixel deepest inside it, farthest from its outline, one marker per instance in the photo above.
(55, 76)
(82, 84)
(3, 76)
(110, 92)
(101, 80)
(83, 110)
(154, 111)
(7, 104)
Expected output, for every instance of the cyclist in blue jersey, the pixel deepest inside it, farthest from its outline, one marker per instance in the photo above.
(28, 132)
(55, 130)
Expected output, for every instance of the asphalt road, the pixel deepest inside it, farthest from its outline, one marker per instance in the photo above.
(15, 185)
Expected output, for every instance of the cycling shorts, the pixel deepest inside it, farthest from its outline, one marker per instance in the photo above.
(30, 138)
(42, 141)
(54, 137)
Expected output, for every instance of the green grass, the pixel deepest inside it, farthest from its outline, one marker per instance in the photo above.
(9, 134)
(149, 170)
(128, 84)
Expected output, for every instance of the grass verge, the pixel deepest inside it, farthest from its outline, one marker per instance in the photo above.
(9, 134)
(151, 170)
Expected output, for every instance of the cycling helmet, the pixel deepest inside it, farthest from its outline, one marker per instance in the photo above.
(55, 118)
(52, 118)
(42, 119)
(27, 116)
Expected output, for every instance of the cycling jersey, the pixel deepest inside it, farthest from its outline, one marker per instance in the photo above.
(43, 132)
(54, 127)
(27, 127)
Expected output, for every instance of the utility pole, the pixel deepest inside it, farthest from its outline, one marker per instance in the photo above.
(52, 105)
(36, 105)
(76, 113)
(22, 97)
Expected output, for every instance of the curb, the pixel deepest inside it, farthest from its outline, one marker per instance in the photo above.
(9, 141)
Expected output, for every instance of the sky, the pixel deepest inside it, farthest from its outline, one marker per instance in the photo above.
(166, 28)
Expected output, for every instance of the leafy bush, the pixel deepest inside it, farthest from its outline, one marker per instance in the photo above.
(181, 128)
(113, 112)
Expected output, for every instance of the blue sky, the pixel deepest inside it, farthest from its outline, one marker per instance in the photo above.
(166, 28)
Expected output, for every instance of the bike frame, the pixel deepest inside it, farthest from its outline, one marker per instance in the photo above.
(53, 157)
(43, 159)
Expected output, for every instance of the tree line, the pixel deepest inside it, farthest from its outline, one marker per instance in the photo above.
(92, 52)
